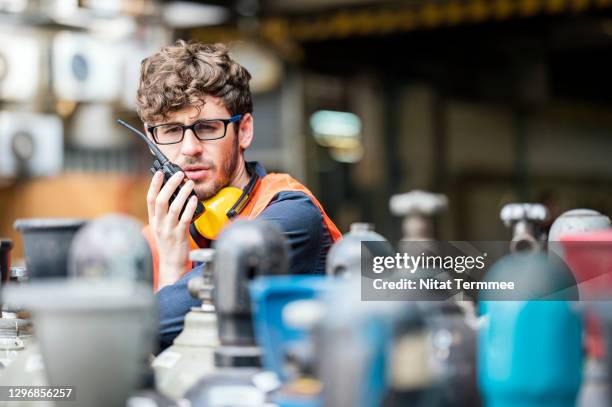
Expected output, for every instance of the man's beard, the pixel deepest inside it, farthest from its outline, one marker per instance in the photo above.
(229, 163)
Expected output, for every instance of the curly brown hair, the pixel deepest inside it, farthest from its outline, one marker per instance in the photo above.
(180, 75)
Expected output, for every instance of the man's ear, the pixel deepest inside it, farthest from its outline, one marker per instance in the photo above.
(245, 131)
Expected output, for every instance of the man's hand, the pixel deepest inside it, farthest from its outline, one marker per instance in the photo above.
(169, 227)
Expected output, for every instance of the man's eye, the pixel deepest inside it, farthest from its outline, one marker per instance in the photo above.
(173, 130)
(205, 127)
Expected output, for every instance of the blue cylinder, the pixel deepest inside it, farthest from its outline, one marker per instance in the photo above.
(530, 351)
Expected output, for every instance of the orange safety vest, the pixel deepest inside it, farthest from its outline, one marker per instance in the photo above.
(263, 193)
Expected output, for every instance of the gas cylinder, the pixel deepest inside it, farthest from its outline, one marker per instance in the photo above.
(111, 246)
(105, 322)
(594, 390)
(244, 250)
(590, 257)
(529, 348)
(109, 325)
(191, 355)
(345, 254)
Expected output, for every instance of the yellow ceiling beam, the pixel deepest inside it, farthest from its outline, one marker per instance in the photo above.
(385, 20)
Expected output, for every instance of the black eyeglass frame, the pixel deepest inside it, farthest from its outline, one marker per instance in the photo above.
(226, 122)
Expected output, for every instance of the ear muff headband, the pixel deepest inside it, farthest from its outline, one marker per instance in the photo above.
(245, 197)
(221, 208)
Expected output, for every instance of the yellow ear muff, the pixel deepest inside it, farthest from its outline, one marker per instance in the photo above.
(214, 218)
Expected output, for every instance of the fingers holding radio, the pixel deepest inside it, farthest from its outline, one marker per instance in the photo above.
(164, 195)
(187, 215)
(156, 184)
(181, 198)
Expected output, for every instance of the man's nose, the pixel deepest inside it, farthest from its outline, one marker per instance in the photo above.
(190, 145)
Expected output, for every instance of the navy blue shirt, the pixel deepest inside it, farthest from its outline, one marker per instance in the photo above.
(302, 225)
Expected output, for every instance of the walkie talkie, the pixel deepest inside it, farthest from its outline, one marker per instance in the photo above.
(161, 163)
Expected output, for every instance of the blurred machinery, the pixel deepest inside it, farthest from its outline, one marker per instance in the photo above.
(25, 369)
(22, 59)
(148, 41)
(575, 223)
(72, 62)
(103, 316)
(47, 244)
(438, 342)
(418, 209)
(244, 251)
(5, 260)
(247, 250)
(355, 343)
(330, 348)
(20, 360)
(31, 144)
(525, 220)
(395, 353)
(530, 350)
(104, 135)
(260, 336)
(338, 350)
(15, 331)
(110, 247)
(101, 70)
(191, 355)
(344, 256)
(106, 324)
(285, 309)
(530, 344)
(86, 69)
(589, 255)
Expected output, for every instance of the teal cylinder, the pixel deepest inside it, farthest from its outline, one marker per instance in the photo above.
(530, 350)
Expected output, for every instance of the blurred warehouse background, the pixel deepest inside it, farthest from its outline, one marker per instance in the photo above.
(486, 101)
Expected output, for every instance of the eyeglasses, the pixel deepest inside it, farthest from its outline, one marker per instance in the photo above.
(204, 130)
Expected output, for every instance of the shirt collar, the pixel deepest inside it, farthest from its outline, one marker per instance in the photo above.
(259, 169)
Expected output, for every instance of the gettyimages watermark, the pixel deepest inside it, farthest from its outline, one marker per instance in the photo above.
(485, 270)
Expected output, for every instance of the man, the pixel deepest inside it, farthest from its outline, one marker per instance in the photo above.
(196, 105)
